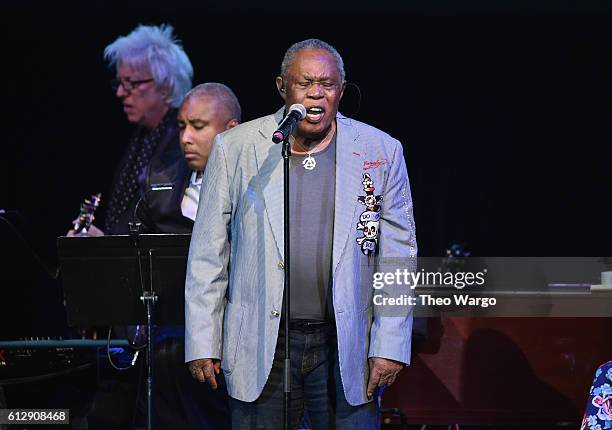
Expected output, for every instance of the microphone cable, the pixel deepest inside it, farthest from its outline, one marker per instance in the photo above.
(358, 90)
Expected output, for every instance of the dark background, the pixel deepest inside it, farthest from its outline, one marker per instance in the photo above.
(502, 107)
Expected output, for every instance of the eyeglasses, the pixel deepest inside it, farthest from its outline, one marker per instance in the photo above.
(127, 84)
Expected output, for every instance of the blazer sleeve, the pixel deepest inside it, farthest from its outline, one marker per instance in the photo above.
(207, 265)
(391, 331)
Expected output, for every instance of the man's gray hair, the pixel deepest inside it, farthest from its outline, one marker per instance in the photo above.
(222, 93)
(158, 50)
(311, 44)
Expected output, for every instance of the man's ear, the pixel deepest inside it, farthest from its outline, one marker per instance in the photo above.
(231, 123)
(280, 86)
(165, 93)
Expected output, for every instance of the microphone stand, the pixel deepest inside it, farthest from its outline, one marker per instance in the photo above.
(286, 152)
(148, 298)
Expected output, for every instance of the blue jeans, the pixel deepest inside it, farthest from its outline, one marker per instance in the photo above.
(317, 396)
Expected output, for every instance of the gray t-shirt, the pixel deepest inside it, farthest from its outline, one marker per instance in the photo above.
(312, 200)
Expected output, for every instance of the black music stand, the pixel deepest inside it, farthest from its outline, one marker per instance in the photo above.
(116, 280)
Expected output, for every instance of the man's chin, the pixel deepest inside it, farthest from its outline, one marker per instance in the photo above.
(195, 166)
(133, 119)
(314, 131)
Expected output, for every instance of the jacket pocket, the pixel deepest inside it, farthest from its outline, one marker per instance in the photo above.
(232, 328)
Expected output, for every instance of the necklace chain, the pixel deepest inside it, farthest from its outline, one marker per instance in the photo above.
(309, 163)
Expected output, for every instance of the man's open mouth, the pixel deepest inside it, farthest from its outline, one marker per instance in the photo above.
(314, 114)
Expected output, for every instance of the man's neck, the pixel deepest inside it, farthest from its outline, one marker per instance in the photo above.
(302, 145)
(155, 118)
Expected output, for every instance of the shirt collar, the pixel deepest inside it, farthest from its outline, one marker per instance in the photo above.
(195, 180)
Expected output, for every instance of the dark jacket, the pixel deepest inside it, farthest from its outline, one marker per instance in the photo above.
(159, 211)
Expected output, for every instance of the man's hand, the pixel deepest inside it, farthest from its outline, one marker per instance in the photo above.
(205, 369)
(382, 372)
(92, 232)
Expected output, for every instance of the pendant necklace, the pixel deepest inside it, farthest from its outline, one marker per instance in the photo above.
(309, 162)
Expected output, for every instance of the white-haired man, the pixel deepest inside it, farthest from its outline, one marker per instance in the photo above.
(153, 75)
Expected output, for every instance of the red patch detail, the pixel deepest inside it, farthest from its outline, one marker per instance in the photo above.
(2, 355)
(367, 165)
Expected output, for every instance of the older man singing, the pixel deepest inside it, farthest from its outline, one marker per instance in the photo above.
(350, 205)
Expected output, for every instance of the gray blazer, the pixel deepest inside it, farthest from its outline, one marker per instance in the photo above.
(235, 275)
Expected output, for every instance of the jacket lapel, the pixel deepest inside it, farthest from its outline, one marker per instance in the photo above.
(350, 153)
(270, 173)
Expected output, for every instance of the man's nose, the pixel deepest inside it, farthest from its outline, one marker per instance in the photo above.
(315, 91)
(121, 92)
(185, 137)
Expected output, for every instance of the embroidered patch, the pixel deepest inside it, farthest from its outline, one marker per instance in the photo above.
(369, 219)
(598, 413)
(603, 403)
(367, 165)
